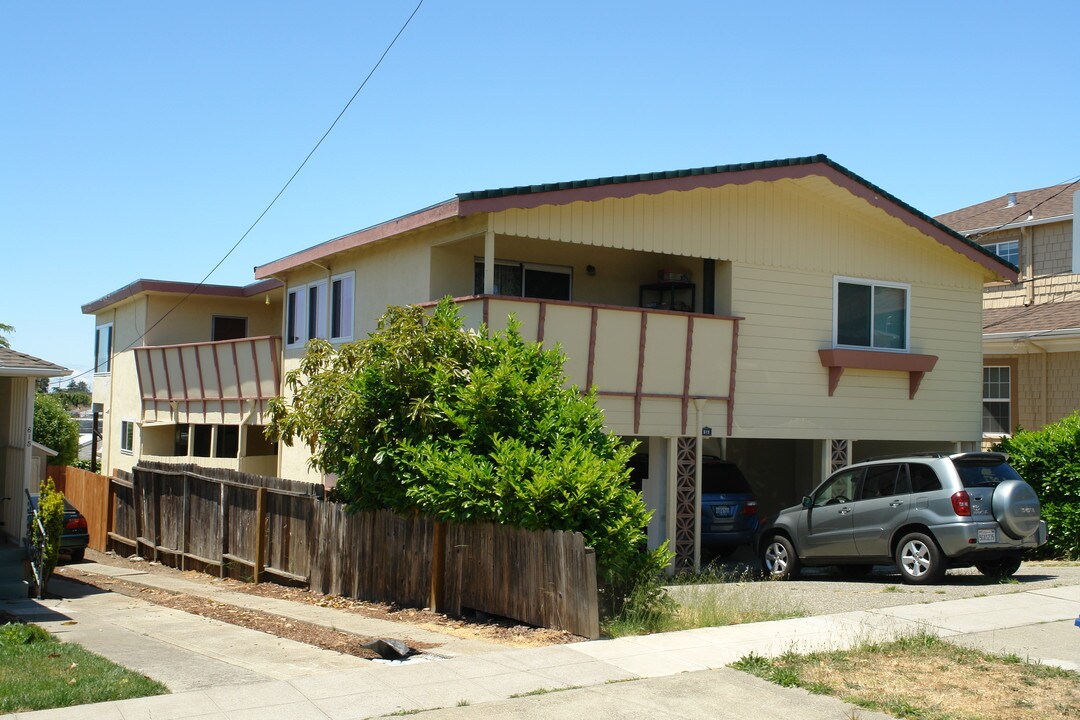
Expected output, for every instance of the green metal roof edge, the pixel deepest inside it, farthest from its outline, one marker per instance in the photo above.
(719, 169)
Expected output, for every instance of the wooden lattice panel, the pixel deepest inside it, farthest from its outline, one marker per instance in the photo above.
(685, 502)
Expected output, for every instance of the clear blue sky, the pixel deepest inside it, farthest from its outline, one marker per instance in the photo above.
(142, 139)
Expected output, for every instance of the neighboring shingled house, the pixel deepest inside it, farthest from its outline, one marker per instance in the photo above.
(1031, 328)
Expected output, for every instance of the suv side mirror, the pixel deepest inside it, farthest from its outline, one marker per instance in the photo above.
(807, 501)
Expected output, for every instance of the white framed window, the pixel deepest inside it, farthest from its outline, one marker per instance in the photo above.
(342, 300)
(316, 310)
(305, 313)
(103, 344)
(531, 280)
(997, 400)
(869, 314)
(1008, 250)
(127, 436)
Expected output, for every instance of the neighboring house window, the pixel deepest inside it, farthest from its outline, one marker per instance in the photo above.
(870, 314)
(127, 436)
(316, 310)
(227, 328)
(1008, 251)
(549, 282)
(997, 405)
(341, 307)
(295, 329)
(103, 348)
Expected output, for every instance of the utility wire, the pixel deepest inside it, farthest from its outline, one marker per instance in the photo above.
(280, 192)
(1029, 211)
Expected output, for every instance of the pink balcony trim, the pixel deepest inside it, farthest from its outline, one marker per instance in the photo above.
(916, 366)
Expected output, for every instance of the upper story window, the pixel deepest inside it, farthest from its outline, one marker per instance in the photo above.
(549, 282)
(228, 328)
(870, 314)
(311, 308)
(103, 344)
(342, 300)
(1008, 251)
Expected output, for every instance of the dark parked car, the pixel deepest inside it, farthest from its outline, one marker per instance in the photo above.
(729, 510)
(925, 513)
(75, 537)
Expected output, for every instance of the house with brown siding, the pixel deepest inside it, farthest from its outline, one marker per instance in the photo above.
(1031, 327)
(787, 315)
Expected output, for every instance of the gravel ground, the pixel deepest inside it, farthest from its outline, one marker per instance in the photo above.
(821, 591)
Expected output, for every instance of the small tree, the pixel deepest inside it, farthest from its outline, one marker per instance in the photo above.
(468, 426)
(1049, 460)
(55, 429)
(46, 545)
(5, 330)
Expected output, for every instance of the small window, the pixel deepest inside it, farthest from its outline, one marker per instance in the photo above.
(103, 344)
(295, 318)
(228, 441)
(127, 436)
(316, 310)
(342, 300)
(923, 478)
(200, 440)
(997, 400)
(870, 315)
(1009, 251)
(228, 328)
(180, 440)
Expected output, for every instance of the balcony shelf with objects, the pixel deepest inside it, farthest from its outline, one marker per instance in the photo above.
(667, 296)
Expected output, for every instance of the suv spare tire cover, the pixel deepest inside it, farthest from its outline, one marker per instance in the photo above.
(1016, 507)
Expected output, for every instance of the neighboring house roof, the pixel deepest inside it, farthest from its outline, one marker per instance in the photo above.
(1043, 204)
(622, 186)
(185, 288)
(1063, 317)
(17, 364)
(47, 451)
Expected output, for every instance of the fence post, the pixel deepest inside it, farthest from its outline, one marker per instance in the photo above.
(224, 496)
(438, 567)
(136, 504)
(260, 512)
(185, 510)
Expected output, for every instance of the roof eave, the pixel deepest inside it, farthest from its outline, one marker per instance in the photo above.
(144, 286)
(34, 372)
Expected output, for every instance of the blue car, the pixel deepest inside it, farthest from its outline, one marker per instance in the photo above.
(729, 509)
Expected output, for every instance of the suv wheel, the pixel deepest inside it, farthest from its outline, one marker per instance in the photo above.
(779, 560)
(919, 559)
(1000, 568)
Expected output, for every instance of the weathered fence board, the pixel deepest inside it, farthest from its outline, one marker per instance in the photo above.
(249, 527)
(89, 492)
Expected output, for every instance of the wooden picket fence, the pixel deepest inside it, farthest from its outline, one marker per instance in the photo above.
(257, 528)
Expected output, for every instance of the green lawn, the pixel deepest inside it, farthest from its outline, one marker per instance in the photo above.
(38, 672)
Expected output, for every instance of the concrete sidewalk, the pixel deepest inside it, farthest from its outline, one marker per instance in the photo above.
(492, 684)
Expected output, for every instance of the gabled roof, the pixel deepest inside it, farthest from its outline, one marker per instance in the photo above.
(1059, 316)
(169, 286)
(17, 364)
(1055, 201)
(623, 186)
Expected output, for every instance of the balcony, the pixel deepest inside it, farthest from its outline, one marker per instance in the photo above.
(223, 382)
(648, 366)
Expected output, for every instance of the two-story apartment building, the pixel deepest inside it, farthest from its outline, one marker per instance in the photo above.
(787, 315)
(1031, 327)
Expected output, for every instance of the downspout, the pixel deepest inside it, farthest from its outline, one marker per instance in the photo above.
(1045, 384)
(1029, 265)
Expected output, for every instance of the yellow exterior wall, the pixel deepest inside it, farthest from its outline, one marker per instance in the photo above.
(191, 321)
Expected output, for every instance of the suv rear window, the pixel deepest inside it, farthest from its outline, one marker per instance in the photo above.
(722, 477)
(976, 472)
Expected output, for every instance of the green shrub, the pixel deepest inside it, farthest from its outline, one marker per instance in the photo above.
(1049, 460)
(51, 512)
(55, 429)
(12, 634)
(468, 427)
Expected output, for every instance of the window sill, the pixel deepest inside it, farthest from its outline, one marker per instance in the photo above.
(916, 366)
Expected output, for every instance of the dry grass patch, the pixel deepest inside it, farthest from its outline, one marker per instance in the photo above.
(925, 678)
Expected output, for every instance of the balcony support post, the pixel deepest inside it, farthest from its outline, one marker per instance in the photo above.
(489, 260)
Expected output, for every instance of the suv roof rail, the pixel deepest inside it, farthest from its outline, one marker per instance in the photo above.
(926, 454)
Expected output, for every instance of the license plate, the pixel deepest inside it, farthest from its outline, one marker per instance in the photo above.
(988, 536)
(722, 511)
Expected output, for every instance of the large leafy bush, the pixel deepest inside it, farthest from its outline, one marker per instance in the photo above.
(468, 426)
(1049, 460)
(55, 429)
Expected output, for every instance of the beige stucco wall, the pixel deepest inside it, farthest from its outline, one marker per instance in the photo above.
(191, 321)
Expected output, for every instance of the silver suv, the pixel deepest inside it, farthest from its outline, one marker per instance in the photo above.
(925, 512)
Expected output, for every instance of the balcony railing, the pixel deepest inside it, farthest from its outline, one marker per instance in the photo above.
(647, 365)
(228, 381)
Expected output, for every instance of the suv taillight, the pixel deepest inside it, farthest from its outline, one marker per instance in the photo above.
(78, 523)
(750, 508)
(961, 503)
